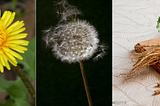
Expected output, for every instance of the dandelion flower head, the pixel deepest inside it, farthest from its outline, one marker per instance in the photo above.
(11, 40)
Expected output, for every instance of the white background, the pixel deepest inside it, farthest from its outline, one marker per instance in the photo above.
(133, 21)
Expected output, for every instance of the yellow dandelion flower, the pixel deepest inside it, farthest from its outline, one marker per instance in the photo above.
(11, 40)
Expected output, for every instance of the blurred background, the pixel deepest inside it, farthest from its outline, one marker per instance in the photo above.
(61, 84)
(25, 10)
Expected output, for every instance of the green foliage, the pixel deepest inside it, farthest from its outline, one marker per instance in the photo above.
(29, 60)
(19, 15)
(8, 103)
(158, 24)
(13, 7)
(4, 84)
(17, 90)
(13, 4)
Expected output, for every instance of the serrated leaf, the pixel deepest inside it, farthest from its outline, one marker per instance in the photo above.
(29, 59)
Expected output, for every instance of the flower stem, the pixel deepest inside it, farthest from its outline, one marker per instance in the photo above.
(86, 84)
(26, 82)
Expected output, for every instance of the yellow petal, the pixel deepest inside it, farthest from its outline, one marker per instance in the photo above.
(16, 49)
(4, 15)
(8, 15)
(6, 61)
(11, 19)
(19, 49)
(17, 42)
(8, 66)
(5, 49)
(16, 54)
(17, 31)
(4, 56)
(2, 60)
(9, 30)
(9, 56)
(1, 22)
(18, 36)
(24, 43)
(18, 26)
(13, 53)
(12, 26)
(13, 62)
(1, 68)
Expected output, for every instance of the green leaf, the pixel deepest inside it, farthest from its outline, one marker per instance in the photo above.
(17, 89)
(158, 24)
(18, 92)
(29, 59)
(19, 15)
(13, 4)
(4, 84)
(158, 27)
(8, 103)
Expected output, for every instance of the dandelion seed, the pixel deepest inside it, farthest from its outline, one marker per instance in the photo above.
(67, 11)
(100, 55)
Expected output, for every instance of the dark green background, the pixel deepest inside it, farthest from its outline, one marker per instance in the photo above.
(61, 84)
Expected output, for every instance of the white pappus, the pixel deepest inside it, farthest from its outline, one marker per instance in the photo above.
(74, 40)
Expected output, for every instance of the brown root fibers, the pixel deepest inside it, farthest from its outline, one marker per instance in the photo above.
(144, 59)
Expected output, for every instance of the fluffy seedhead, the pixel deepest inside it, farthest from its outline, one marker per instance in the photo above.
(73, 40)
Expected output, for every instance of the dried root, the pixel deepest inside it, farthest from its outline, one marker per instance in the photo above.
(147, 58)
(158, 90)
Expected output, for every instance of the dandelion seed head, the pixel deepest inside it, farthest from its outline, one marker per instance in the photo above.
(72, 40)
(75, 41)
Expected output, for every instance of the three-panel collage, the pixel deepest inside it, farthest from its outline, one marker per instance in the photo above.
(79, 52)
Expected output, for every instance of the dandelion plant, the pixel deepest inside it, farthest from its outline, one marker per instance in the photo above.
(73, 40)
(11, 44)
